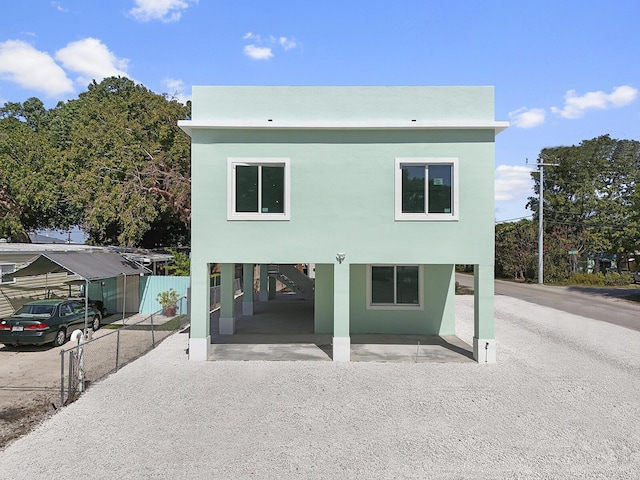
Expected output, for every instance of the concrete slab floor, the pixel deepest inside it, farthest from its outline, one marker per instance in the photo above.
(282, 330)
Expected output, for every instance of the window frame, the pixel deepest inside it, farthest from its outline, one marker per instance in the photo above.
(232, 162)
(395, 306)
(426, 161)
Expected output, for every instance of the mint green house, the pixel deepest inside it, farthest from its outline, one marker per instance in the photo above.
(384, 189)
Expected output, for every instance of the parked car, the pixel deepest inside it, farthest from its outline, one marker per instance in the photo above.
(45, 321)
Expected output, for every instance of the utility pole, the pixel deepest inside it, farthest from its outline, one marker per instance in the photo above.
(541, 166)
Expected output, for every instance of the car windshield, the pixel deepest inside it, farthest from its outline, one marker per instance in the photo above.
(35, 310)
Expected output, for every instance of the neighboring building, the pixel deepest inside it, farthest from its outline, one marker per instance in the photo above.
(384, 189)
(24, 276)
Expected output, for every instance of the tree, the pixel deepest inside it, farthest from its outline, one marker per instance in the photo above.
(590, 195)
(31, 194)
(181, 264)
(516, 250)
(129, 163)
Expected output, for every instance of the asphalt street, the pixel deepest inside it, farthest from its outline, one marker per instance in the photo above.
(604, 304)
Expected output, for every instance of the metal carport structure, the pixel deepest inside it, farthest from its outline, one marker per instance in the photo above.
(89, 266)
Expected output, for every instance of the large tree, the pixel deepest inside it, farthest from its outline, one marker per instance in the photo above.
(129, 163)
(31, 194)
(113, 162)
(590, 194)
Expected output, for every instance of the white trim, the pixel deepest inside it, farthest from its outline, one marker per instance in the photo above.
(426, 161)
(190, 125)
(231, 188)
(199, 348)
(396, 306)
(341, 349)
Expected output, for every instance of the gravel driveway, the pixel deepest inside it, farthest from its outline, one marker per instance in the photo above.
(563, 402)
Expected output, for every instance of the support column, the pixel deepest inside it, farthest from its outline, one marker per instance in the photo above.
(199, 305)
(247, 288)
(264, 283)
(341, 338)
(227, 301)
(484, 344)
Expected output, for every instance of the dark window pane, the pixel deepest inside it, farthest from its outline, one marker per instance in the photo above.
(440, 189)
(381, 284)
(407, 285)
(246, 188)
(413, 188)
(273, 189)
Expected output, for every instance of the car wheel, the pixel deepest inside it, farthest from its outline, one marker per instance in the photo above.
(61, 338)
(95, 325)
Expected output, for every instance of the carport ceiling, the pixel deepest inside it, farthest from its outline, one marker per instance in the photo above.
(87, 265)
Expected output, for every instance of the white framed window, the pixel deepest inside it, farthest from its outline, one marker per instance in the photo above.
(258, 189)
(426, 189)
(395, 287)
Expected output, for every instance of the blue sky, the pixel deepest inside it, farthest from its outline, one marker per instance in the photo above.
(563, 70)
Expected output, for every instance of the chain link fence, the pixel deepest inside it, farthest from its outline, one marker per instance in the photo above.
(94, 359)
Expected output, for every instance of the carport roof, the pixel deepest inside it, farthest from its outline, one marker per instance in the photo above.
(89, 265)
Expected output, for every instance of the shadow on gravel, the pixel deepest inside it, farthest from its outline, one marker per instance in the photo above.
(631, 293)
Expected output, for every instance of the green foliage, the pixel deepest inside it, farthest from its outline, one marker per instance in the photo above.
(591, 194)
(113, 162)
(599, 279)
(181, 266)
(168, 298)
(516, 250)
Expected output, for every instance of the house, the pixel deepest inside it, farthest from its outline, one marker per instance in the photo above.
(384, 189)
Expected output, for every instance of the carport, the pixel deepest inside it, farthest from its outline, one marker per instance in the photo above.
(90, 266)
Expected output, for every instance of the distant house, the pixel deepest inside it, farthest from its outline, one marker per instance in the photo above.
(384, 189)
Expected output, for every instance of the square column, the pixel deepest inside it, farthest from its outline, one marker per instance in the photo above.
(199, 305)
(264, 281)
(341, 338)
(247, 287)
(484, 343)
(227, 300)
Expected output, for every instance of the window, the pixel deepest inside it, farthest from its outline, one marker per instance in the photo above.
(397, 286)
(258, 189)
(5, 269)
(426, 189)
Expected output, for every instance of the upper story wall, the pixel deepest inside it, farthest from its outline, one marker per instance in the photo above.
(289, 105)
(342, 144)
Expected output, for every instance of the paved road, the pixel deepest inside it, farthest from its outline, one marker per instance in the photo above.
(605, 304)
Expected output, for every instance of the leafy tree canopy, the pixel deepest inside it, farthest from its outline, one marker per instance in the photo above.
(113, 161)
(590, 197)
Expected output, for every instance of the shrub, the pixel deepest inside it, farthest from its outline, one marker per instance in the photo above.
(599, 279)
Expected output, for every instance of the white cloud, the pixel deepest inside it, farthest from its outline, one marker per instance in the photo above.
(528, 118)
(164, 10)
(92, 60)
(21, 63)
(575, 106)
(262, 47)
(176, 90)
(59, 7)
(287, 43)
(258, 53)
(512, 182)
